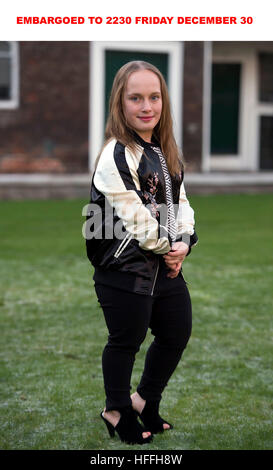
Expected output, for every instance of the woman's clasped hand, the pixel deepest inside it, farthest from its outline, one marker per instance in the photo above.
(175, 258)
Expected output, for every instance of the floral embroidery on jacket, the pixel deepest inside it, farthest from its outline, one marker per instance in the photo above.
(151, 194)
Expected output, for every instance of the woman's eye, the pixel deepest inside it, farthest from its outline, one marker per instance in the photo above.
(134, 98)
(155, 98)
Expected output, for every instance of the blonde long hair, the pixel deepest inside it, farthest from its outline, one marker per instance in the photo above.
(117, 127)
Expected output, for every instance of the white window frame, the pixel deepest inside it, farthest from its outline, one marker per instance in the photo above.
(13, 102)
(262, 108)
(175, 50)
(250, 110)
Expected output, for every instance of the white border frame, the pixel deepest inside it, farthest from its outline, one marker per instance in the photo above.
(97, 86)
(12, 103)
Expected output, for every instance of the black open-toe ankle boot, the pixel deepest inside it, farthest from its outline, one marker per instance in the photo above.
(128, 427)
(151, 418)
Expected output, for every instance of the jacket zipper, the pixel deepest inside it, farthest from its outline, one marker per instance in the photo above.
(156, 273)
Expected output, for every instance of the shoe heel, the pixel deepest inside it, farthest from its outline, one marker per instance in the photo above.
(110, 427)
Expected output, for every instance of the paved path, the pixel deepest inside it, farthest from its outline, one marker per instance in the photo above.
(43, 186)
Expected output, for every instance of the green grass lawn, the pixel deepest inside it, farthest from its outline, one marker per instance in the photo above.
(53, 331)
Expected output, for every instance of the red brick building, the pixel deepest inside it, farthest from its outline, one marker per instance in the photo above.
(44, 118)
(53, 102)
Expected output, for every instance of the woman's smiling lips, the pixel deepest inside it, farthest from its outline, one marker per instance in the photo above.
(145, 118)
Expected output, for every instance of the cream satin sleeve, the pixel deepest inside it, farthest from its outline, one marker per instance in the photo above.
(185, 220)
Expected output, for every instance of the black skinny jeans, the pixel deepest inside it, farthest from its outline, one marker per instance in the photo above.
(128, 316)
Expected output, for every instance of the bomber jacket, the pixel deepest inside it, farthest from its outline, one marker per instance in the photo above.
(126, 226)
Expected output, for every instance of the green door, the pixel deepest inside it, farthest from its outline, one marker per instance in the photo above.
(114, 59)
(225, 98)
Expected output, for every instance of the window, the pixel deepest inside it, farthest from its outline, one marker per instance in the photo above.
(266, 142)
(9, 68)
(266, 77)
(265, 61)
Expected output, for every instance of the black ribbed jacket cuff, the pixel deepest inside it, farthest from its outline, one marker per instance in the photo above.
(190, 240)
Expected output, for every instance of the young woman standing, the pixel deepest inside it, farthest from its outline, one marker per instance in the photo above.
(138, 188)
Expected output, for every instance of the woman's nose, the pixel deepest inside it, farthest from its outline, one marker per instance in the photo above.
(146, 105)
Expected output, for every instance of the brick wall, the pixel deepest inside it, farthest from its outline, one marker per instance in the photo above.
(193, 105)
(49, 131)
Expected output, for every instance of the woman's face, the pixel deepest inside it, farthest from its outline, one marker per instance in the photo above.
(142, 102)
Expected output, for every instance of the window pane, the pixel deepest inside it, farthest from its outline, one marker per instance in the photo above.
(266, 77)
(5, 78)
(266, 142)
(4, 46)
(225, 108)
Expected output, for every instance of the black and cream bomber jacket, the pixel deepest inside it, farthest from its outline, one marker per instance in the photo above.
(126, 231)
